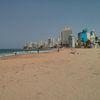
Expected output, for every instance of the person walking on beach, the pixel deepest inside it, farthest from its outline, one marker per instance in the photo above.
(38, 50)
(15, 53)
(58, 48)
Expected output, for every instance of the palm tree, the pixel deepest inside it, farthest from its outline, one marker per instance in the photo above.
(88, 44)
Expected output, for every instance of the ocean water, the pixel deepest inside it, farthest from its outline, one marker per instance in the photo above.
(12, 52)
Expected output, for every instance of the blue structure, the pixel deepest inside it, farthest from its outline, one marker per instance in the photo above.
(83, 36)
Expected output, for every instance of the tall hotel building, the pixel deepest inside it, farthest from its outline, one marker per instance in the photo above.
(65, 36)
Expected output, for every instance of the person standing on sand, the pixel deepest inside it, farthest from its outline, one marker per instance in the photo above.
(58, 48)
(38, 50)
(15, 53)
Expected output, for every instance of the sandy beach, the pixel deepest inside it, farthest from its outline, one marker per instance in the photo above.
(65, 75)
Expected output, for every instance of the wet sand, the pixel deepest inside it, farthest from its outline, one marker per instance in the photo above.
(65, 75)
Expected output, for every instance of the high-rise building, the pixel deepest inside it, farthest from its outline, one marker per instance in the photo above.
(50, 42)
(65, 36)
(72, 41)
(84, 36)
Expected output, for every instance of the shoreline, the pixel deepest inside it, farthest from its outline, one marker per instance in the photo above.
(27, 55)
(17, 54)
(31, 55)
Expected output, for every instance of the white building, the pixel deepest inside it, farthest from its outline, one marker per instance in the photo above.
(65, 35)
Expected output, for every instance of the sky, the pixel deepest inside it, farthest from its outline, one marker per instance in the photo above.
(36, 20)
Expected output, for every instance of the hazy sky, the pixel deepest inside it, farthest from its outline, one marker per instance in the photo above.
(34, 20)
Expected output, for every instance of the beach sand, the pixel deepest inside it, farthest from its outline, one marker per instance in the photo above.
(65, 75)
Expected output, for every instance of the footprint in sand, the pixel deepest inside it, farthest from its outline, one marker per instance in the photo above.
(96, 73)
(38, 95)
(16, 72)
(35, 76)
(4, 86)
(99, 53)
(23, 67)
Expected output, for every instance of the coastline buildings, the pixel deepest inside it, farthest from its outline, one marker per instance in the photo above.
(50, 42)
(84, 36)
(67, 39)
(92, 36)
(87, 39)
(28, 45)
(65, 36)
(72, 41)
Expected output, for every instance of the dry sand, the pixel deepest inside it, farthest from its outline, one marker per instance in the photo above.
(67, 75)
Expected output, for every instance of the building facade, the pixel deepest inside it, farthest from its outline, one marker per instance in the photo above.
(72, 41)
(83, 36)
(65, 36)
